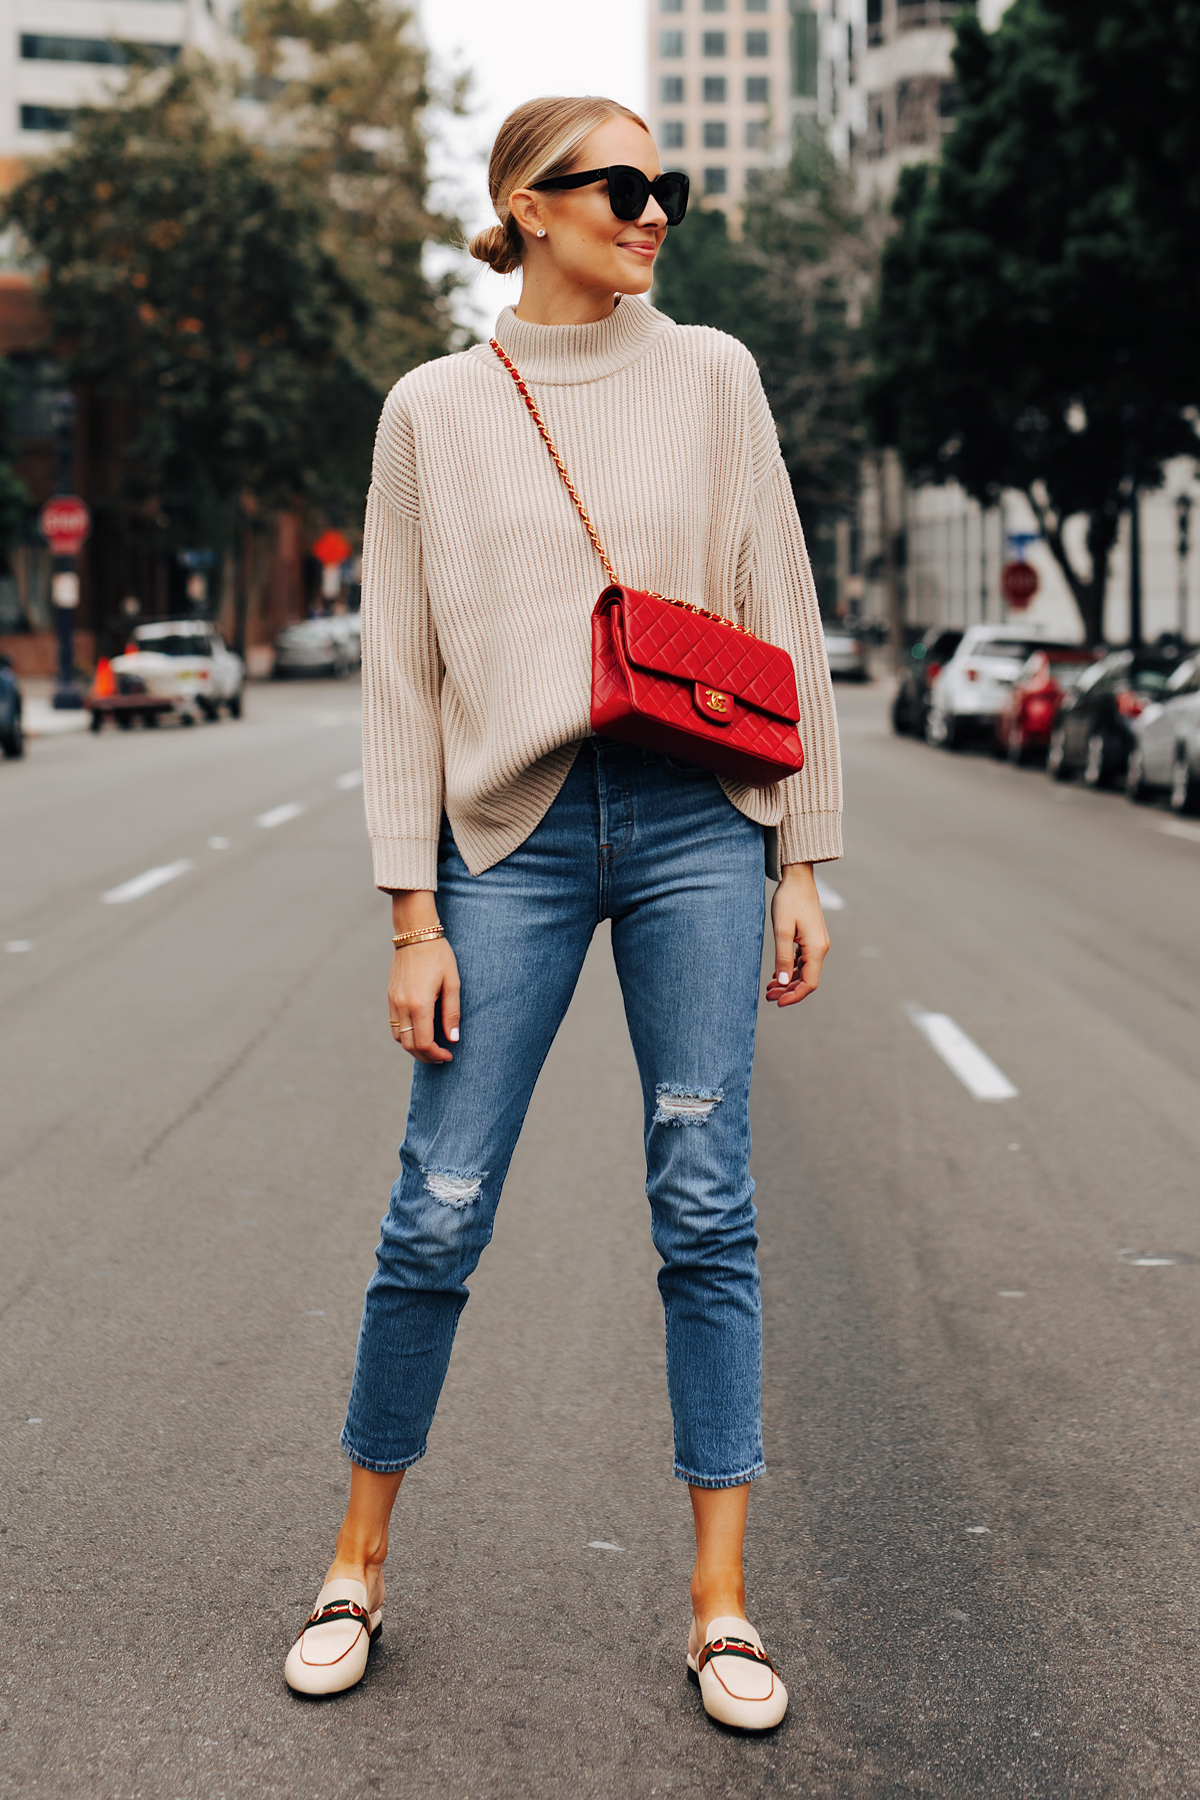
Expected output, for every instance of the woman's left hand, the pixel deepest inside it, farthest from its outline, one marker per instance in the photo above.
(801, 939)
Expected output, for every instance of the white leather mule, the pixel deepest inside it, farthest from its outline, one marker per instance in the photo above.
(330, 1654)
(739, 1684)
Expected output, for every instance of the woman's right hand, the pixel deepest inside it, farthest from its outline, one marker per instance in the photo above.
(421, 975)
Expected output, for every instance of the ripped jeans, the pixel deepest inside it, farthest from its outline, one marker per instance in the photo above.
(660, 851)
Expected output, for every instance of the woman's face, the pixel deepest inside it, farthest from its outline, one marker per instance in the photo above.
(587, 244)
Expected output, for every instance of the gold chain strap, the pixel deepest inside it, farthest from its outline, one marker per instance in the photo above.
(686, 605)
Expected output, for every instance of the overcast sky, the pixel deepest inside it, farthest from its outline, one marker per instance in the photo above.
(517, 49)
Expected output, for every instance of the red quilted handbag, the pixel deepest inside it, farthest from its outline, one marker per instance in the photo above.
(674, 678)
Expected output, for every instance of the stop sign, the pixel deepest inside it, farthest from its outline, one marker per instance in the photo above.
(1019, 583)
(65, 522)
(331, 548)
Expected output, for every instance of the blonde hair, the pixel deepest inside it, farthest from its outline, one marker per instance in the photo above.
(536, 142)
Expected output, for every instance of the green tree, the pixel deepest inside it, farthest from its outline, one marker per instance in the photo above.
(187, 284)
(1035, 320)
(347, 91)
(14, 495)
(793, 287)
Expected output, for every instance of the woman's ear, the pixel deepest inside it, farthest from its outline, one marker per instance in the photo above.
(527, 209)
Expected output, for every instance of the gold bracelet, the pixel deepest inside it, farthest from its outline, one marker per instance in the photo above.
(425, 935)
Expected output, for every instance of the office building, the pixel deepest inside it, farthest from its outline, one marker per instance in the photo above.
(57, 55)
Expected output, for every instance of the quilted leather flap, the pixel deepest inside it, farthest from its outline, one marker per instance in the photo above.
(672, 641)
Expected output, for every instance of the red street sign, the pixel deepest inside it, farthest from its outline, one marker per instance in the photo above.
(1019, 583)
(65, 523)
(331, 547)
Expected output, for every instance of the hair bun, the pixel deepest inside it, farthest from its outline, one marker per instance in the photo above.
(495, 247)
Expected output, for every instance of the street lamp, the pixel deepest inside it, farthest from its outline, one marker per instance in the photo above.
(1183, 512)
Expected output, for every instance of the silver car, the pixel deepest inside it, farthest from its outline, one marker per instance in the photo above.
(1166, 749)
(846, 651)
(315, 647)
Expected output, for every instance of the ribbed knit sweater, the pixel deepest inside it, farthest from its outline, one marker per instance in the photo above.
(479, 579)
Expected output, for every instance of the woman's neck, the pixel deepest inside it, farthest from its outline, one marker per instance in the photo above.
(548, 299)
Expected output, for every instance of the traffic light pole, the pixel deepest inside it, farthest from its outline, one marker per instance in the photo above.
(64, 584)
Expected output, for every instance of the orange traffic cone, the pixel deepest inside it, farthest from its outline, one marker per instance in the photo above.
(105, 682)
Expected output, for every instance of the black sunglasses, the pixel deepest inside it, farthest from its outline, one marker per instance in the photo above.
(629, 190)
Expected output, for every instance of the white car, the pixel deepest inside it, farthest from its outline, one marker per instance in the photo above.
(974, 685)
(1166, 749)
(846, 651)
(348, 627)
(318, 647)
(184, 660)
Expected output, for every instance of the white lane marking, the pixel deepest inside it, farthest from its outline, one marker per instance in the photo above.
(1012, 1293)
(962, 1056)
(147, 882)
(829, 897)
(34, 1421)
(218, 843)
(17, 945)
(279, 815)
(1177, 828)
(980, 1530)
(599, 1544)
(351, 779)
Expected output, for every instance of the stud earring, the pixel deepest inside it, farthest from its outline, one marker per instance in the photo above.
(542, 231)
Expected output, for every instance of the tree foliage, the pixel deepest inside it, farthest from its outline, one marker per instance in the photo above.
(188, 283)
(346, 87)
(14, 495)
(1035, 325)
(792, 287)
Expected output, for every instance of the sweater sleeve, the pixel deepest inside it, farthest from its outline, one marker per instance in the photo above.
(402, 671)
(778, 599)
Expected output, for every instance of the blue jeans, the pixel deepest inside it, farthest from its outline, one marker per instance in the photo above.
(660, 851)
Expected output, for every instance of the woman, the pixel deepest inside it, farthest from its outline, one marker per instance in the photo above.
(505, 832)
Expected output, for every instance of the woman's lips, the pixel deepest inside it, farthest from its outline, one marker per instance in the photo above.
(640, 249)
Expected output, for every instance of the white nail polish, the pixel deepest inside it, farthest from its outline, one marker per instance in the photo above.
(454, 1034)
(784, 979)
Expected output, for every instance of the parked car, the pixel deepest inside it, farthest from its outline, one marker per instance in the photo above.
(1093, 734)
(12, 736)
(846, 650)
(926, 659)
(185, 661)
(974, 685)
(1025, 721)
(348, 627)
(316, 647)
(1166, 742)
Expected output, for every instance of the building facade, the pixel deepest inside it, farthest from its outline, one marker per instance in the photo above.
(728, 80)
(57, 55)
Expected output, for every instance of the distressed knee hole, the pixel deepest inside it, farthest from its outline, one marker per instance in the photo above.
(685, 1106)
(453, 1187)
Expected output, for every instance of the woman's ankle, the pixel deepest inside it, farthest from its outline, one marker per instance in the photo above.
(717, 1597)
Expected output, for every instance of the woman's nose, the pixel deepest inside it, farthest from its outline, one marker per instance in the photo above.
(654, 214)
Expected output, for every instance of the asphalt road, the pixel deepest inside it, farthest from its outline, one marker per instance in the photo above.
(976, 1552)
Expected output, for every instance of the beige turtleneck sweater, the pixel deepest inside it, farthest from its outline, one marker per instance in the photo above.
(479, 579)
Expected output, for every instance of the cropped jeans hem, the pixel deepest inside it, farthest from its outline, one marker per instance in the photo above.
(720, 1481)
(380, 1468)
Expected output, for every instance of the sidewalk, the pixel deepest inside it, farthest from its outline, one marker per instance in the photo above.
(38, 715)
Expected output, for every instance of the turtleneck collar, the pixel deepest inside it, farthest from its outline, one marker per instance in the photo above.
(565, 354)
